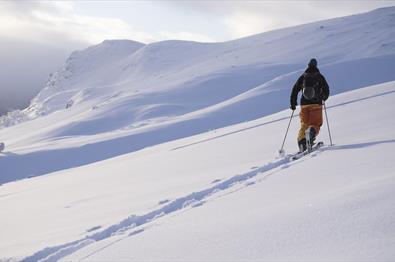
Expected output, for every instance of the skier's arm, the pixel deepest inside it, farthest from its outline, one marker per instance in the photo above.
(295, 91)
(325, 89)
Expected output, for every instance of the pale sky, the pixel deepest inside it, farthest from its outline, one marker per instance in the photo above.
(37, 36)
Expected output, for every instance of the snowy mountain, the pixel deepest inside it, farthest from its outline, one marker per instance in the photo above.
(166, 151)
(122, 96)
(172, 78)
(221, 195)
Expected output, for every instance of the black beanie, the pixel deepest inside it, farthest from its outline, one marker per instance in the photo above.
(313, 62)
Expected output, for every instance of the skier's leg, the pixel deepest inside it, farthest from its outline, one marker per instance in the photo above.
(315, 119)
(302, 145)
(302, 130)
(304, 120)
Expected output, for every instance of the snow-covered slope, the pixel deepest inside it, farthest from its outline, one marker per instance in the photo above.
(80, 72)
(222, 195)
(174, 77)
(122, 96)
(127, 139)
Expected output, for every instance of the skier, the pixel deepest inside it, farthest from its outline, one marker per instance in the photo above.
(315, 91)
(1, 146)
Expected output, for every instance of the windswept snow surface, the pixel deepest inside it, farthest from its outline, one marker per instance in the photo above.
(167, 151)
(122, 96)
(222, 195)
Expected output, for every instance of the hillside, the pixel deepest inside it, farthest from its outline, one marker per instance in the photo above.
(221, 195)
(335, 205)
(122, 96)
(168, 151)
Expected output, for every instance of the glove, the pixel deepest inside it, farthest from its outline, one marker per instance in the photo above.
(293, 107)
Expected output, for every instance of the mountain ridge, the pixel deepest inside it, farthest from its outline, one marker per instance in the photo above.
(174, 148)
(144, 95)
(123, 68)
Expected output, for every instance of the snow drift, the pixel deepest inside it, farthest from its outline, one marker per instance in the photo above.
(221, 196)
(128, 143)
(122, 96)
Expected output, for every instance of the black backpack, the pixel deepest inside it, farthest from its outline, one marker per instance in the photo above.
(311, 87)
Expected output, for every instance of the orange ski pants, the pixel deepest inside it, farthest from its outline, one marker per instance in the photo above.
(310, 116)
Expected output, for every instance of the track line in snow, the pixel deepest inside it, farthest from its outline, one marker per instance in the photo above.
(194, 199)
(361, 99)
(230, 133)
(329, 106)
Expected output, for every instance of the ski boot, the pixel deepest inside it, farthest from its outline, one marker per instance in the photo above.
(310, 138)
(302, 145)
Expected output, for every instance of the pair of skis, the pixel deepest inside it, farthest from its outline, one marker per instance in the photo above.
(309, 144)
(309, 150)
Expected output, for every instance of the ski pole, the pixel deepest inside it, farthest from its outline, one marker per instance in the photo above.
(327, 122)
(281, 151)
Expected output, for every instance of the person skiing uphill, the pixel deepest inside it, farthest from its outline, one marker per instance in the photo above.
(315, 90)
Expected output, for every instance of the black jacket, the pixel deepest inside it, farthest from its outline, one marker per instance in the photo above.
(299, 84)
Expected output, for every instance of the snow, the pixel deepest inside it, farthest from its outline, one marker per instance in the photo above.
(167, 151)
(122, 96)
(188, 198)
(178, 75)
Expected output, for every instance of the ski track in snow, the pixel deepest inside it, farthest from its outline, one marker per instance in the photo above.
(192, 200)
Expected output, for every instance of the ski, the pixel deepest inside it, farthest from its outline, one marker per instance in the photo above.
(301, 154)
